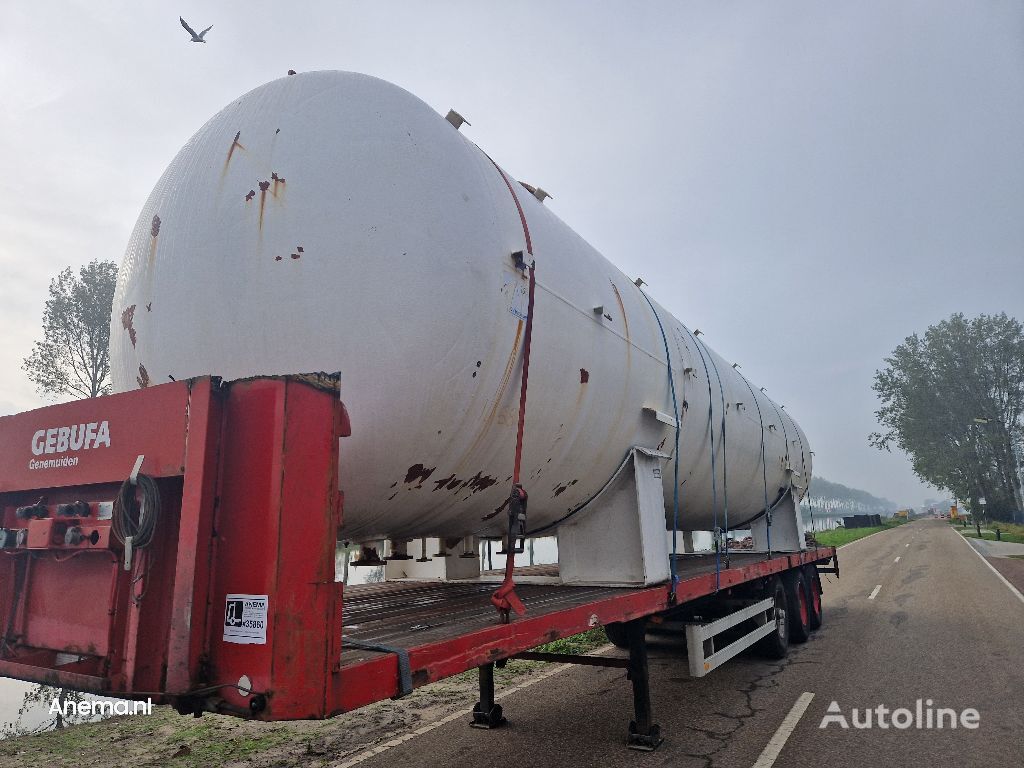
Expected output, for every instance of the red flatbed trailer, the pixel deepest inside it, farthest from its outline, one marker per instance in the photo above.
(231, 603)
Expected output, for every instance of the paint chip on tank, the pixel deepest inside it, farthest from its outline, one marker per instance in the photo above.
(417, 473)
(127, 322)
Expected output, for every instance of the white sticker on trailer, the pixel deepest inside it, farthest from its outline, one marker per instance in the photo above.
(245, 619)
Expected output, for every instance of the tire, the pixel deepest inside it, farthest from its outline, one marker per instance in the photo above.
(813, 580)
(797, 597)
(617, 634)
(776, 645)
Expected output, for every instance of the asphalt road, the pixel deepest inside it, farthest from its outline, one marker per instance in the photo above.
(941, 626)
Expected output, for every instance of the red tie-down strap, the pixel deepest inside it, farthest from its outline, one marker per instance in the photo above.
(505, 598)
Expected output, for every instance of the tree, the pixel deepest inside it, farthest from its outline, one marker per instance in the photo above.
(954, 401)
(72, 357)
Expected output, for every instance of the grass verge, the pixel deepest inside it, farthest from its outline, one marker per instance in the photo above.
(840, 536)
(1008, 532)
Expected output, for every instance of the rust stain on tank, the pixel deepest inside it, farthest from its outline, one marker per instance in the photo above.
(278, 183)
(497, 510)
(584, 375)
(498, 395)
(250, 195)
(143, 377)
(235, 144)
(480, 482)
(622, 309)
(507, 375)
(418, 474)
(127, 322)
(264, 186)
(560, 489)
(154, 230)
(443, 482)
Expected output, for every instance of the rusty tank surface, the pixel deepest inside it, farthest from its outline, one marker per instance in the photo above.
(333, 221)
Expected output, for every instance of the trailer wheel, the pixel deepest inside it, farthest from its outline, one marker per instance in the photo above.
(617, 635)
(813, 579)
(798, 597)
(776, 645)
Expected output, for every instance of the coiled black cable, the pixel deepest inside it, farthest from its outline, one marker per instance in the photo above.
(135, 519)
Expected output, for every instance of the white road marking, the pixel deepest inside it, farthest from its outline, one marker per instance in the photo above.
(896, 560)
(874, 592)
(373, 751)
(778, 741)
(992, 568)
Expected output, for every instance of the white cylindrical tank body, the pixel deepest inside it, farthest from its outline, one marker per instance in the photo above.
(331, 221)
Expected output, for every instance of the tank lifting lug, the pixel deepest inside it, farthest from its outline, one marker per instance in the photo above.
(519, 260)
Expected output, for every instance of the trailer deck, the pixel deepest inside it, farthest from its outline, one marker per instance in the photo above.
(450, 627)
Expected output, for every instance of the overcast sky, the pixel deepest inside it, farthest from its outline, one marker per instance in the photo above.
(808, 183)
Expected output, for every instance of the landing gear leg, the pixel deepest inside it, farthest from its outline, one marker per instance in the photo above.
(643, 734)
(487, 714)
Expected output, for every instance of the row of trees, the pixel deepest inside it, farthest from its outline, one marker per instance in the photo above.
(825, 496)
(953, 399)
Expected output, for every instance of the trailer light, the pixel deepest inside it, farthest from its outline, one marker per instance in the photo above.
(74, 509)
(33, 510)
(73, 536)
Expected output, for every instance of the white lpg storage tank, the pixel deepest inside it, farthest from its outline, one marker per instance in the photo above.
(333, 221)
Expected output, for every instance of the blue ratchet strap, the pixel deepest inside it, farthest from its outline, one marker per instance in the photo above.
(675, 454)
(404, 668)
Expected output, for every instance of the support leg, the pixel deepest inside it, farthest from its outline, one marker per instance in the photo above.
(643, 734)
(487, 714)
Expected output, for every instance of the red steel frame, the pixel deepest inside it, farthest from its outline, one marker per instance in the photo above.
(376, 679)
(248, 477)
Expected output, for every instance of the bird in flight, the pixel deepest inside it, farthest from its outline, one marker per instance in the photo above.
(196, 37)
